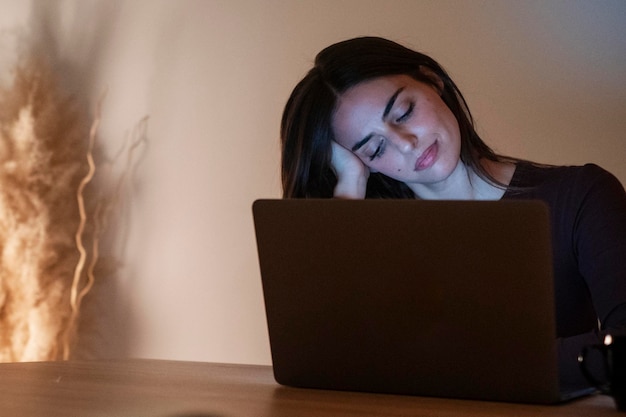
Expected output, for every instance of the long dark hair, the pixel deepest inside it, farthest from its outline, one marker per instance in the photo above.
(306, 127)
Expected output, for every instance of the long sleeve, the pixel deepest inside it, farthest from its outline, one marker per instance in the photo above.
(600, 236)
(588, 215)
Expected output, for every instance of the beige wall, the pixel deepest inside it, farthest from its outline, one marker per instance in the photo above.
(545, 80)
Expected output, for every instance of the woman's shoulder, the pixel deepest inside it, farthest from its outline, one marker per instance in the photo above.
(530, 174)
(555, 183)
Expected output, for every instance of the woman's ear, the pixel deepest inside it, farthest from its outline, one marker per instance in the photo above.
(433, 77)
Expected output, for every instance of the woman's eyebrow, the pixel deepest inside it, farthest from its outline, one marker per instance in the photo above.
(391, 102)
(388, 108)
(362, 142)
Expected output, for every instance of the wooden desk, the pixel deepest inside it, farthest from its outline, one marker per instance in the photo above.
(138, 388)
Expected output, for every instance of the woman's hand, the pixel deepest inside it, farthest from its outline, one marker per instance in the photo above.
(351, 173)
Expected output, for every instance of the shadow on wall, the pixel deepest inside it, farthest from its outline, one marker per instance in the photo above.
(58, 32)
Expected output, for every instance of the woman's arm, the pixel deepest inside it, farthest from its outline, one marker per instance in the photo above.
(600, 248)
(351, 173)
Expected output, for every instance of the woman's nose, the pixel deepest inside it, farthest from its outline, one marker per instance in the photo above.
(404, 142)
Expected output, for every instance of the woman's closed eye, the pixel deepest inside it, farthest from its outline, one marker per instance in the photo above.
(407, 113)
(375, 148)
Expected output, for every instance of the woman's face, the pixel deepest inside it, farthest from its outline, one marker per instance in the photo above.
(400, 127)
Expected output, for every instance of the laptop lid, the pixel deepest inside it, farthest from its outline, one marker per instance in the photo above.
(431, 298)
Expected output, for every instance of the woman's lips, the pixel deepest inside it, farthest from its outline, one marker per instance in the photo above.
(427, 158)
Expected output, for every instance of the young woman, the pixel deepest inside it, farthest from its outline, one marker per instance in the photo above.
(374, 119)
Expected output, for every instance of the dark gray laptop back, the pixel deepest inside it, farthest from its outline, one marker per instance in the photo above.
(451, 299)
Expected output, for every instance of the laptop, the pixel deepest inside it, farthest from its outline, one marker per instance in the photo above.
(431, 298)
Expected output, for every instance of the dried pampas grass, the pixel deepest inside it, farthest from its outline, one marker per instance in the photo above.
(50, 220)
